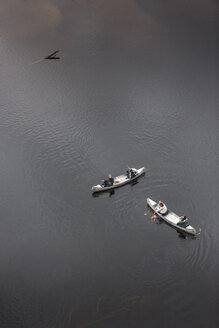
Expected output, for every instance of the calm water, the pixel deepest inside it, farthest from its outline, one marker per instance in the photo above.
(137, 84)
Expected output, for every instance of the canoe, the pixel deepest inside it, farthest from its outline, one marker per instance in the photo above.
(119, 181)
(173, 219)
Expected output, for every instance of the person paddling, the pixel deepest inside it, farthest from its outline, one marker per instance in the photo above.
(183, 221)
(108, 182)
(131, 172)
(161, 208)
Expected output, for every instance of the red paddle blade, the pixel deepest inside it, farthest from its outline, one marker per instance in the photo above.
(128, 166)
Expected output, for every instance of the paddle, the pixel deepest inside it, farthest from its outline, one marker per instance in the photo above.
(154, 215)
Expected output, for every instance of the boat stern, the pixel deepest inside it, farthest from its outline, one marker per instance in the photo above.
(191, 230)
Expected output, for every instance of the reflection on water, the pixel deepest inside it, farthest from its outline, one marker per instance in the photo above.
(26, 19)
(103, 311)
(103, 193)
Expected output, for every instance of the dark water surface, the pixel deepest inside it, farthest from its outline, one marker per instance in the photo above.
(137, 84)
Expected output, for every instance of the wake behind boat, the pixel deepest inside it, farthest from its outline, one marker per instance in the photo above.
(173, 219)
(120, 180)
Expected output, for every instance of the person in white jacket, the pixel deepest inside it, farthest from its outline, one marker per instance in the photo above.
(161, 208)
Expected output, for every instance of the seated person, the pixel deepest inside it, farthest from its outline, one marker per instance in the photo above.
(131, 173)
(184, 222)
(161, 208)
(105, 183)
(110, 180)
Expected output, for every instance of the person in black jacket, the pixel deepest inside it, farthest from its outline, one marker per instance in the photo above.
(110, 180)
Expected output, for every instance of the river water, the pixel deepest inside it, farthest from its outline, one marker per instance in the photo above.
(136, 84)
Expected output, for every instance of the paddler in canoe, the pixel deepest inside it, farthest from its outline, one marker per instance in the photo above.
(109, 182)
(161, 208)
(183, 221)
(131, 172)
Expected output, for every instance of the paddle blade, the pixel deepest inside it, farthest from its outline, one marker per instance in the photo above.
(128, 166)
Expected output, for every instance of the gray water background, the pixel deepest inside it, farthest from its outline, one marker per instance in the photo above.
(137, 84)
